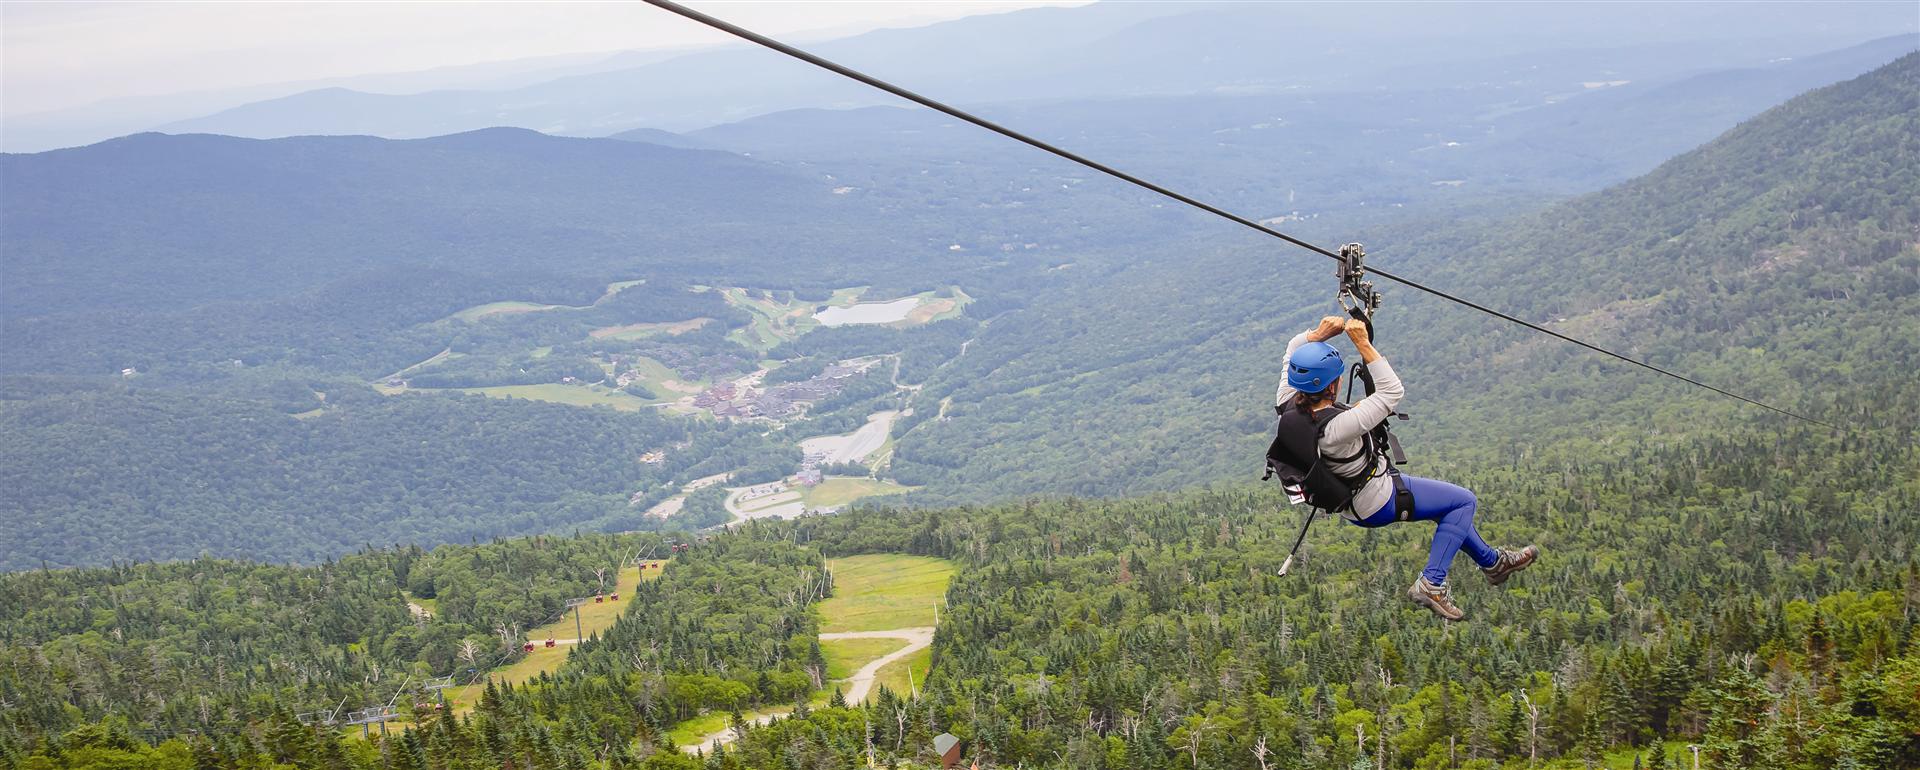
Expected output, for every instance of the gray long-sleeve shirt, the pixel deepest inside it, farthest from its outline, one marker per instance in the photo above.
(1346, 432)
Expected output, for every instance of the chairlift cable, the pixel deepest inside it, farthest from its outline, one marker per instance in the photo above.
(938, 106)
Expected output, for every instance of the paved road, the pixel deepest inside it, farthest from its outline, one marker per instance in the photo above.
(784, 510)
(854, 447)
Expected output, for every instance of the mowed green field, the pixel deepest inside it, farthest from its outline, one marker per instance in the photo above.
(574, 395)
(893, 676)
(873, 592)
(774, 321)
(881, 592)
(839, 491)
(638, 331)
(846, 656)
(478, 312)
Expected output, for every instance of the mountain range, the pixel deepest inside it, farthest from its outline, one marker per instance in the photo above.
(1103, 50)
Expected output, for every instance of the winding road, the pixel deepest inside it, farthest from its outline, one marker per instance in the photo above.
(859, 686)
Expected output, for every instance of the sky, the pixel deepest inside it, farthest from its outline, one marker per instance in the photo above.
(56, 55)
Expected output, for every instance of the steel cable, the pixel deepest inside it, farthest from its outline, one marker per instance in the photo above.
(837, 68)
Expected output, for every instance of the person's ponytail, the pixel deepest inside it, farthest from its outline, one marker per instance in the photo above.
(1304, 401)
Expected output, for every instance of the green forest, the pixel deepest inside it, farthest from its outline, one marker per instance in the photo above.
(1754, 593)
(255, 507)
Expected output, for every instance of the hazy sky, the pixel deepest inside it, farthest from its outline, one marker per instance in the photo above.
(69, 53)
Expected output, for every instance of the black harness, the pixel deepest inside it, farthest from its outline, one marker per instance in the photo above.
(1295, 457)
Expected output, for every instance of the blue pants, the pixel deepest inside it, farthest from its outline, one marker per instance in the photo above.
(1451, 506)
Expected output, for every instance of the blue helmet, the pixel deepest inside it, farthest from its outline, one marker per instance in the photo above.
(1313, 367)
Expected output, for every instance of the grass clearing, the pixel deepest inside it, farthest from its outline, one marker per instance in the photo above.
(893, 676)
(645, 330)
(698, 728)
(846, 656)
(593, 618)
(881, 592)
(504, 307)
(444, 355)
(430, 605)
(841, 490)
(478, 312)
(774, 321)
(574, 395)
(664, 381)
(872, 592)
(616, 287)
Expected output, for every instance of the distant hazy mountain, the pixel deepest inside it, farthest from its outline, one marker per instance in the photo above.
(663, 138)
(34, 132)
(1117, 49)
(1273, 154)
(1613, 132)
(155, 221)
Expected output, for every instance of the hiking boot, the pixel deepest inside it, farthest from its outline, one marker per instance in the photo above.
(1509, 563)
(1436, 598)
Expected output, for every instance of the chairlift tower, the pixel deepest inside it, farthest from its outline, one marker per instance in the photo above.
(438, 687)
(376, 713)
(322, 718)
(574, 604)
(370, 715)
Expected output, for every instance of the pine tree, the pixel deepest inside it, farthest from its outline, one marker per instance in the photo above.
(206, 755)
(1736, 735)
(1511, 740)
(1593, 742)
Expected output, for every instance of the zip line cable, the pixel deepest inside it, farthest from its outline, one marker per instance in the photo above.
(930, 103)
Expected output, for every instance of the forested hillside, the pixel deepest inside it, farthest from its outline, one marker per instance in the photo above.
(95, 480)
(272, 218)
(1754, 593)
(197, 643)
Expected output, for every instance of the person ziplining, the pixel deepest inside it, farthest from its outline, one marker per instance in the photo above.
(1349, 469)
(1347, 449)
(947, 109)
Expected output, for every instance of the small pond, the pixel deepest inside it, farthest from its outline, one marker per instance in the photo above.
(868, 313)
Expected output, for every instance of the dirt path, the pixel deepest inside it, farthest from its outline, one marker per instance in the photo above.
(862, 681)
(670, 506)
(859, 686)
(910, 389)
(705, 746)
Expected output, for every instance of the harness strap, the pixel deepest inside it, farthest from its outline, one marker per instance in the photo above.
(1369, 448)
(1402, 495)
